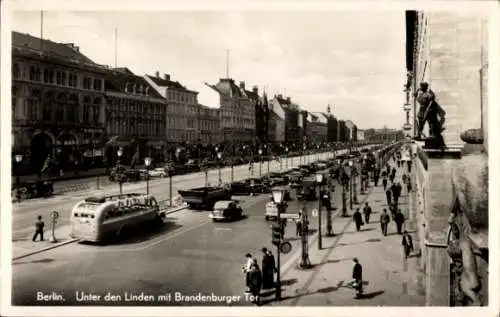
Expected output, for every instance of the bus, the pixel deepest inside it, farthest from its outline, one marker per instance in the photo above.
(96, 219)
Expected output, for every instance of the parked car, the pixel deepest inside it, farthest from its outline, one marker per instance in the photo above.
(157, 172)
(34, 189)
(257, 185)
(205, 197)
(226, 210)
(241, 188)
(126, 175)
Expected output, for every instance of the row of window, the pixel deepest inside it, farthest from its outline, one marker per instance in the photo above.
(137, 107)
(125, 127)
(57, 77)
(178, 96)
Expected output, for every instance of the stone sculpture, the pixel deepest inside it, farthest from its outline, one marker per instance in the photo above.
(468, 237)
(432, 113)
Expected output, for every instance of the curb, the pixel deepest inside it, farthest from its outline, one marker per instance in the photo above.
(60, 244)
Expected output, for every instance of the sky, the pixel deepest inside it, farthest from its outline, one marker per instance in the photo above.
(353, 61)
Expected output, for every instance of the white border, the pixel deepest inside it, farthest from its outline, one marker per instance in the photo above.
(8, 6)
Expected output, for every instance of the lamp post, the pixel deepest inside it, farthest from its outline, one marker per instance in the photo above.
(260, 162)
(319, 182)
(350, 187)
(354, 180)
(286, 160)
(304, 154)
(147, 162)
(268, 148)
(278, 197)
(219, 158)
(120, 180)
(305, 263)
(19, 159)
(343, 181)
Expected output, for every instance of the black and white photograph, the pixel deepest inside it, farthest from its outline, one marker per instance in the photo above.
(248, 156)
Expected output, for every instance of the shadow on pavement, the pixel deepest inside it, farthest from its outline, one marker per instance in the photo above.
(371, 295)
(342, 244)
(362, 230)
(34, 261)
(288, 282)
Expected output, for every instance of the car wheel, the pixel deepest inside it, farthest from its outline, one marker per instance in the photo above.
(214, 220)
(267, 218)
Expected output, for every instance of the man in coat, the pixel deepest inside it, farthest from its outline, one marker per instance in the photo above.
(367, 211)
(357, 273)
(394, 192)
(388, 195)
(255, 281)
(384, 221)
(407, 243)
(39, 225)
(399, 219)
(246, 270)
(384, 183)
(358, 219)
(268, 269)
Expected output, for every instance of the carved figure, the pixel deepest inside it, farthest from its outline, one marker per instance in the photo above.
(431, 112)
(468, 238)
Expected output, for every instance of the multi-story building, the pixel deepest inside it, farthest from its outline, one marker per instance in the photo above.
(262, 114)
(182, 109)
(209, 124)
(332, 129)
(135, 114)
(353, 131)
(276, 122)
(317, 127)
(451, 212)
(383, 135)
(361, 135)
(57, 103)
(293, 119)
(342, 131)
(237, 112)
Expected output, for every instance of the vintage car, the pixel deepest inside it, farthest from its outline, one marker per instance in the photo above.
(241, 188)
(257, 185)
(295, 179)
(126, 175)
(226, 210)
(33, 189)
(157, 172)
(308, 189)
(204, 197)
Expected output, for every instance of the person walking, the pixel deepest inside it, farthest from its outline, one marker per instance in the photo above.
(407, 243)
(358, 219)
(39, 225)
(388, 196)
(394, 192)
(408, 163)
(268, 269)
(367, 210)
(255, 281)
(357, 274)
(246, 270)
(384, 221)
(298, 225)
(384, 183)
(399, 219)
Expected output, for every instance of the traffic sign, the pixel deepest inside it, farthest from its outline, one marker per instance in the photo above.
(315, 212)
(285, 247)
(54, 215)
(289, 216)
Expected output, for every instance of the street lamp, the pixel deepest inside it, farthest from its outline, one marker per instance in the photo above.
(120, 180)
(278, 197)
(260, 162)
(219, 157)
(319, 182)
(286, 160)
(344, 182)
(18, 158)
(268, 151)
(350, 186)
(147, 162)
(317, 153)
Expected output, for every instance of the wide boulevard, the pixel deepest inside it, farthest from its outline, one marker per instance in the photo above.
(191, 255)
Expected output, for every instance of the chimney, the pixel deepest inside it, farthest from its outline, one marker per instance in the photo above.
(288, 99)
(157, 74)
(166, 76)
(242, 84)
(280, 96)
(255, 89)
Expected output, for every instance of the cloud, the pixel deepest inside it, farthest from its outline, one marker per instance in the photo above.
(354, 60)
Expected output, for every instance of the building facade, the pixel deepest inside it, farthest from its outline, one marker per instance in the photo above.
(135, 115)
(209, 125)
(332, 129)
(361, 135)
(384, 135)
(57, 103)
(182, 109)
(342, 132)
(294, 120)
(452, 181)
(317, 127)
(276, 122)
(352, 133)
(237, 112)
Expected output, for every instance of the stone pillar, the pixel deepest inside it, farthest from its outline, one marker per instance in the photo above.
(438, 204)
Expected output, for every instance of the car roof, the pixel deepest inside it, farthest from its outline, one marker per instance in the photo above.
(223, 203)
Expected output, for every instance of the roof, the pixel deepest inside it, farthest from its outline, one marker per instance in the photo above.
(168, 83)
(68, 51)
(226, 87)
(252, 95)
(118, 79)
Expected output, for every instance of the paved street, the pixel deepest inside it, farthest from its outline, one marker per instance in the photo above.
(190, 255)
(24, 213)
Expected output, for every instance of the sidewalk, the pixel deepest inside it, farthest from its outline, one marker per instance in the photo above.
(389, 279)
(23, 246)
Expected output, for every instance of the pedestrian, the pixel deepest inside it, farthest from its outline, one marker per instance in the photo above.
(408, 185)
(367, 210)
(384, 182)
(246, 270)
(404, 178)
(384, 221)
(358, 219)
(407, 243)
(409, 165)
(399, 219)
(39, 225)
(255, 281)
(298, 225)
(376, 177)
(357, 273)
(394, 192)
(388, 195)
(268, 269)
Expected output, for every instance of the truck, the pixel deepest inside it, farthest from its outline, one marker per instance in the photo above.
(204, 197)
